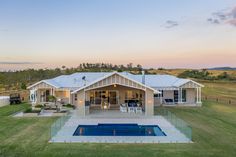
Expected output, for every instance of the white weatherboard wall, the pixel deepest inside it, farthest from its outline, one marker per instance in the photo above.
(4, 100)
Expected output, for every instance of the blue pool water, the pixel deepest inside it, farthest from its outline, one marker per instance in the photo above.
(118, 130)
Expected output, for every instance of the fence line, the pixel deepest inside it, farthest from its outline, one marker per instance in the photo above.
(220, 99)
(58, 124)
(180, 124)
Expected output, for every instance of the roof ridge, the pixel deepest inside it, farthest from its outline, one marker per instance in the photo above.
(177, 79)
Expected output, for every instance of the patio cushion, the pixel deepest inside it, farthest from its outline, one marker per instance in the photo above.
(132, 104)
(123, 105)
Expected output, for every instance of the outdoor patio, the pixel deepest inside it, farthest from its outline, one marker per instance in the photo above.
(113, 114)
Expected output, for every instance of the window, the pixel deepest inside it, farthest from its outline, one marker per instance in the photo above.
(159, 95)
(97, 98)
(112, 99)
(184, 95)
(128, 95)
(176, 95)
(75, 97)
(132, 95)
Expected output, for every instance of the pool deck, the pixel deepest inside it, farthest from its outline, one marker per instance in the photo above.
(65, 134)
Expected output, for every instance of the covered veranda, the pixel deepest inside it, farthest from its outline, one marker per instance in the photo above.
(41, 92)
(186, 94)
(113, 92)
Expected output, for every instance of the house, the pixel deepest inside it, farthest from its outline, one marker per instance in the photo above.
(108, 90)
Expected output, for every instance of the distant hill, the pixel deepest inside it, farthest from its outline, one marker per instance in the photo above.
(222, 68)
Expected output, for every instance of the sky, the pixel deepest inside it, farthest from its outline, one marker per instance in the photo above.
(153, 33)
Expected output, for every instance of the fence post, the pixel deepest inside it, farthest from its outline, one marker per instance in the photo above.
(51, 132)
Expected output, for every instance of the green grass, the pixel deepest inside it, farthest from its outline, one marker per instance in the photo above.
(10, 109)
(220, 89)
(214, 134)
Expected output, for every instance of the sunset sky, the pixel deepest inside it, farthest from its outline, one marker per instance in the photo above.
(153, 33)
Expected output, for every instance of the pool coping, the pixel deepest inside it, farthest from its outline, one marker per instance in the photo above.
(65, 134)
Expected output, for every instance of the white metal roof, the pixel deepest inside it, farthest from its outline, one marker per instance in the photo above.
(76, 81)
(109, 74)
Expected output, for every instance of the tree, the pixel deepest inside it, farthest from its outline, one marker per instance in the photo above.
(161, 68)
(20, 79)
(223, 75)
(23, 86)
(139, 67)
(63, 67)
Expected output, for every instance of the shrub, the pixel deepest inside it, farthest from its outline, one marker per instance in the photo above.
(198, 74)
(29, 110)
(69, 105)
(205, 75)
(224, 76)
(52, 98)
(23, 86)
(38, 106)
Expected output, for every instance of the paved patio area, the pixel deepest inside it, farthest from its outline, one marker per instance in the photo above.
(66, 132)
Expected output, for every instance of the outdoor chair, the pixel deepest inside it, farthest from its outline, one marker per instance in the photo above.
(123, 108)
(169, 101)
(138, 110)
(131, 107)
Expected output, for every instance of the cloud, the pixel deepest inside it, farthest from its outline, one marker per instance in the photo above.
(18, 63)
(213, 21)
(220, 15)
(232, 22)
(233, 13)
(170, 24)
(227, 16)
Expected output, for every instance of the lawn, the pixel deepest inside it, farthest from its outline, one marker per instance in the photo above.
(214, 134)
(220, 89)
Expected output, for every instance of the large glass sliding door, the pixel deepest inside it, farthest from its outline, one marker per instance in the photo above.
(113, 97)
(98, 97)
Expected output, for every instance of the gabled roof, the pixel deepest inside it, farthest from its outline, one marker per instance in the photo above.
(161, 81)
(110, 74)
(76, 81)
(184, 81)
(44, 81)
(72, 81)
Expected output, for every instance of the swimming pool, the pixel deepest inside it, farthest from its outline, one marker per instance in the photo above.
(118, 130)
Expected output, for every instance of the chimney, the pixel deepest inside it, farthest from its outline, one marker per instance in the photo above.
(143, 77)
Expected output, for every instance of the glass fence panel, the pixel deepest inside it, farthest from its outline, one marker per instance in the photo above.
(178, 123)
(175, 128)
(58, 124)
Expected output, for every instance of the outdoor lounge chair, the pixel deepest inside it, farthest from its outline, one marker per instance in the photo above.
(169, 101)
